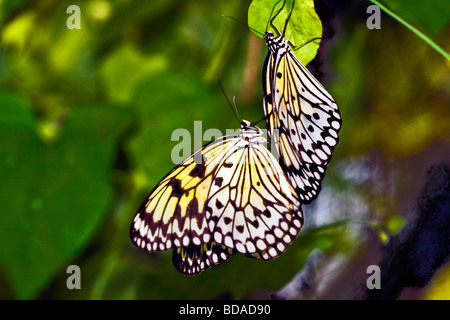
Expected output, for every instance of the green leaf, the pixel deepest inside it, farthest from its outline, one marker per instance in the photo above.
(53, 196)
(303, 26)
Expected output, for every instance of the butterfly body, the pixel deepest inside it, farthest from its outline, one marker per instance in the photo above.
(235, 199)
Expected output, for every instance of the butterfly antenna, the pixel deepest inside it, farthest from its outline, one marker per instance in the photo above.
(255, 123)
(224, 15)
(305, 43)
(288, 17)
(271, 20)
(233, 106)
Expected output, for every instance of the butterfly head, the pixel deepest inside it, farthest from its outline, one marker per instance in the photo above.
(247, 125)
(275, 42)
(268, 36)
(250, 132)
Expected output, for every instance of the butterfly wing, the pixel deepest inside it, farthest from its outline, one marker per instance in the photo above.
(254, 208)
(303, 121)
(173, 215)
(194, 259)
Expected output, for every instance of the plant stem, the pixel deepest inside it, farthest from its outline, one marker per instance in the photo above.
(416, 31)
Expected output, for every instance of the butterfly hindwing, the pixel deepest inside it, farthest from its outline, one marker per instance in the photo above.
(255, 207)
(194, 259)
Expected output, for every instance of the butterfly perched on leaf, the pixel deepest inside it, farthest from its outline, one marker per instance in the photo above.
(229, 196)
(302, 118)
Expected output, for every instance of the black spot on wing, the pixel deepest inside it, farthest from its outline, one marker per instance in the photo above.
(266, 213)
(177, 191)
(218, 181)
(219, 205)
(255, 223)
(198, 171)
(192, 208)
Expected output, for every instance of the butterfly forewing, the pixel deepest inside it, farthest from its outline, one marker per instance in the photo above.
(302, 118)
(173, 214)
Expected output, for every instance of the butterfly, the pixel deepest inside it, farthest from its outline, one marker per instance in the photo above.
(302, 118)
(229, 196)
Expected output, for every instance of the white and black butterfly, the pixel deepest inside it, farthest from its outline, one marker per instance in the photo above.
(302, 118)
(236, 199)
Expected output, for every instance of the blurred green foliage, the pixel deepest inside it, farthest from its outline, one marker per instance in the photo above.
(86, 118)
(54, 195)
(432, 17)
